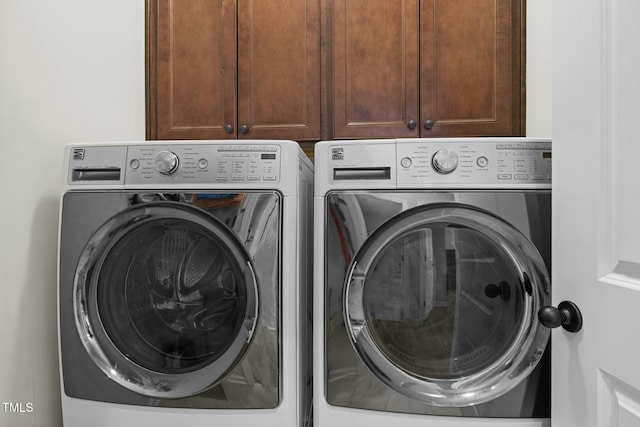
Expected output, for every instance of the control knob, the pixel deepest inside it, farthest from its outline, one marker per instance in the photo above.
(167, 162)
(444, 161)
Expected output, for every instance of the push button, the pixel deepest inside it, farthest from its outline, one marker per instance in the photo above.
(482, 162)
(405, 162)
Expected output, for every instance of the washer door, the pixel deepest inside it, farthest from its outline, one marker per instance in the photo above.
(441, 301)
(165, 299)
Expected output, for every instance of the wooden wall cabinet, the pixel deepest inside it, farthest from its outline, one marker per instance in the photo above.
(420, 68)
(226, 69)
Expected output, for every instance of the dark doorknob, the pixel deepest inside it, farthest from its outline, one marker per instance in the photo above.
(566, 315)
(412, 124)
(228, 128)
(501, 290)
(244, 129)
(428, 124)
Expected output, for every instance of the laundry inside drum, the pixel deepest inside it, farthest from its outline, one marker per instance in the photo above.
(172, 297)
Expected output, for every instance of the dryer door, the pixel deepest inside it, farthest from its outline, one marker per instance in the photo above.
(441, 301)
(165, 299)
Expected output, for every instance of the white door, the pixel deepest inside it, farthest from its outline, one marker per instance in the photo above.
(596, 211)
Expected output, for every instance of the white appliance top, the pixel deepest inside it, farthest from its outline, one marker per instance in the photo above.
(150, 164)
(501, 162)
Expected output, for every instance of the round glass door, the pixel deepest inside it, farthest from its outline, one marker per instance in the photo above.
(165, 299)
(441, 303)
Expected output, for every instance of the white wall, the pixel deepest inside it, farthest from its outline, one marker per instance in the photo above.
(73, 71)
(539, 68)
(70, 71)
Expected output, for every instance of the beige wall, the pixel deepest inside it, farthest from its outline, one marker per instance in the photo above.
(73, 71)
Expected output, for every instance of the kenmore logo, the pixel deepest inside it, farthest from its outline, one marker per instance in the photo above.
(337, 154)
(78, 154)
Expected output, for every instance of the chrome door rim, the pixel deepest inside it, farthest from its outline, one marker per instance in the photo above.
(495, 380)
(95, 339)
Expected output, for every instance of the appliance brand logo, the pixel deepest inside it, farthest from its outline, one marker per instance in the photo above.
(78, 154)
(337, 153)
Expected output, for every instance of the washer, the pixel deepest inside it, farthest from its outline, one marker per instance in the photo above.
(183, 274)
(432, 259)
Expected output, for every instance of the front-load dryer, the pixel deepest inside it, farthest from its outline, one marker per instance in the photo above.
(432, 261)
(183, 274)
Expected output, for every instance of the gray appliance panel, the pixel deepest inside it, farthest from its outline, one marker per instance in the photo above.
(255, 219)
(171, 164)
(350, 218)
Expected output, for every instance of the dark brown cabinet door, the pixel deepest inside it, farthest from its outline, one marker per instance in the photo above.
(233, 68)
(192, 69)
(470, 60)
(279, 69)
(375, 68)
(409, 68)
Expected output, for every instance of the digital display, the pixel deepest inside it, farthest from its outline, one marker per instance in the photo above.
(268, 156)
(546, 154)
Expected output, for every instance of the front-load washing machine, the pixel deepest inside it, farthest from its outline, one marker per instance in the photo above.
(432, 260)
(183, 274)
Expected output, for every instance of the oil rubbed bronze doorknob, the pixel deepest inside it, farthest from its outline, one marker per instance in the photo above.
(244, 129)
(428, 124)
(228, 128)
(412, 124)
(566, 315)
(501, 290)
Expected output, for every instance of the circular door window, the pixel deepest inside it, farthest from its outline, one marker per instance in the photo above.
(165, 299)
(441, 304)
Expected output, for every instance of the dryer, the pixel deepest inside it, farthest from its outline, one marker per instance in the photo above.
(183, 275)
(432, 260)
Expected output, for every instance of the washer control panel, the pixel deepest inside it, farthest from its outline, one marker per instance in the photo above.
(231, 163)
(467, 162)
(175, 163)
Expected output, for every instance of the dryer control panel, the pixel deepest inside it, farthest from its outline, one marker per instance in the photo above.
(498, 161)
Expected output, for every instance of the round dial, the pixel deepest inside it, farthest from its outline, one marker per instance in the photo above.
(167, 162)
(444, 161)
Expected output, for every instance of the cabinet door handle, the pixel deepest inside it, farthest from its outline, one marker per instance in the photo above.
(428, 124)
(228, 128)
(244, 129)
(412, 124)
